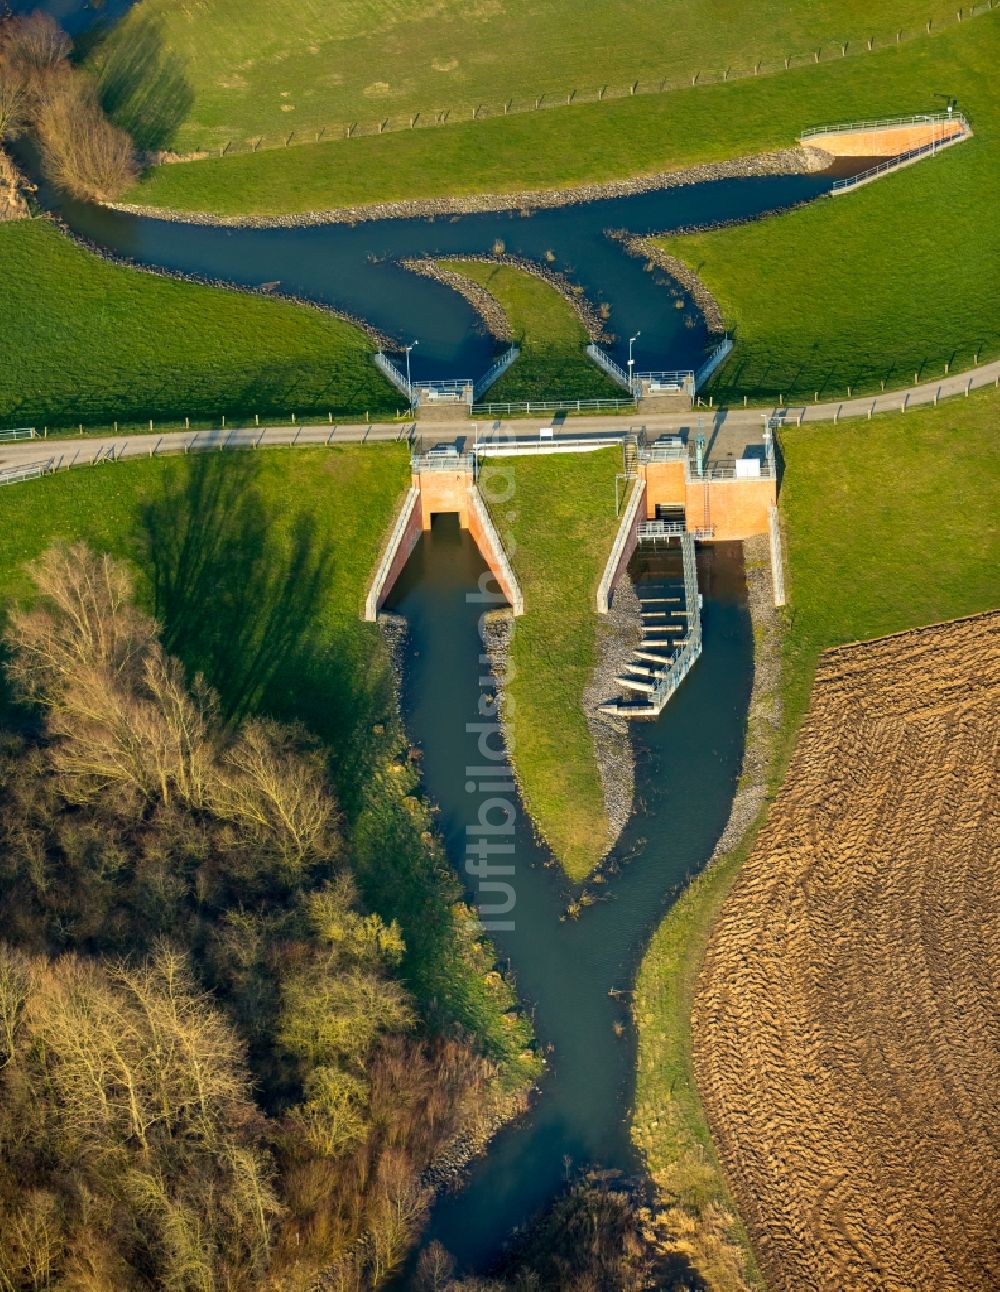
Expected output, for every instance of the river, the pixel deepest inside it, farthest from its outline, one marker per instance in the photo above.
(687, 765)
(687, 761)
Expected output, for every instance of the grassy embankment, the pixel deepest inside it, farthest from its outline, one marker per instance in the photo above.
(552, 340)
(591, 142)
(257, 566)
(894, 278)
(559, 523)
(900, 277)
(84, 341)
(198, 76)
(888, 526)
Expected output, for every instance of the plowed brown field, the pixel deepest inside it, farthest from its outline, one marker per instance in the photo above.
(847, 1021)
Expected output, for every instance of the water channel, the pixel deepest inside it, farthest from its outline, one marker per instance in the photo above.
(688, 760)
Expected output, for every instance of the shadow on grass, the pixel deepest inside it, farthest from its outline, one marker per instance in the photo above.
(142, 84)
(243, 587)
(248, 591)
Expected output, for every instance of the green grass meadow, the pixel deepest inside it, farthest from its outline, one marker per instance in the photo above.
(899, 277)
(193, 76)
(256, 565)
(85, 341)
(559, 526)
(887, 526)
(552, 340)
(590, 142)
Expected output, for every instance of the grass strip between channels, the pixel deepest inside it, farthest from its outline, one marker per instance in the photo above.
(558, 521)
(552, 364)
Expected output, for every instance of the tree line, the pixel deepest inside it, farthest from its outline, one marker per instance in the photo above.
(43, 94)
(210, 1073)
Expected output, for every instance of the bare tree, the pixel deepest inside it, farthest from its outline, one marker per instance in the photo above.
(36, 43)
(82, 151)
(272, 786)
(13, 101)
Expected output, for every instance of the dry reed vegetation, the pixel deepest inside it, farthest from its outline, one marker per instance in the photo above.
(847, 1043)
(40, 91)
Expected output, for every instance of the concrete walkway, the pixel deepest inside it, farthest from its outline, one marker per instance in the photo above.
(725, 429)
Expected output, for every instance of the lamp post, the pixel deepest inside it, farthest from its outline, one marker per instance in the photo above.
(409, 383)
(631, 342)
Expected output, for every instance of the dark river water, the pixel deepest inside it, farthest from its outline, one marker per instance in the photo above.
(356, 268)
(688, 762)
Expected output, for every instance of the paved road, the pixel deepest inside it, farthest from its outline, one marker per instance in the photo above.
(726, 429)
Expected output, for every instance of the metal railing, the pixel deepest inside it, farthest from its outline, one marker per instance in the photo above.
(883, 123)
(661, 529)
(715, 360)
(618, 547)
(895, 163)
(682, 378)
(690, 649)
(718, 470)
(18, 433)
(388, 369)
(495, 373)
(388, 556)
(30, 471)
(490, 531)
(442, 462)
(512, 448)
(509, 407)
(663, 452)
(608, 365)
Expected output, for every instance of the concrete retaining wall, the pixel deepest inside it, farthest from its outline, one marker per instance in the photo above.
(623, 547)
(737, 509)
(402, 541)
(488, 541)
(887, 141)
(444, 491)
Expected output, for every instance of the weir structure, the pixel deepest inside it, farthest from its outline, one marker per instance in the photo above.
(680, 495)
(679, 489)
(442, 482)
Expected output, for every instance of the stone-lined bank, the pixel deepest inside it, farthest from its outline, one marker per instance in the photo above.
(784, 161)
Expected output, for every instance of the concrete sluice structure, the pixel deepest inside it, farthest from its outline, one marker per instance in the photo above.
(442, 483)
(679, 496)
(675, 493)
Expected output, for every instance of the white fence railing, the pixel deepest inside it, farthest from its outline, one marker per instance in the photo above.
(681, 378)
(509, 407)
(777, 564)
(684, 660)
(17, 433)
(495, 373)
(420, 462)
(29, 471)
(508, 448)
(714, 361)
(883, 123)
(604, 588)
(388, 369)
(493, 537)
(377, 588)
(618, 375)
(895, 163)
